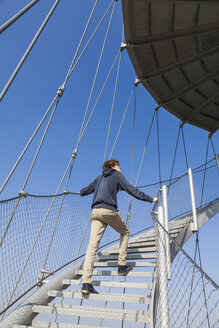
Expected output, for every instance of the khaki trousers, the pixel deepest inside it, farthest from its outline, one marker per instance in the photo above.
(100, 218)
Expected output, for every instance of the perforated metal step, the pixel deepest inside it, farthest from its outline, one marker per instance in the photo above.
(115, 264)
(111, 297)
(129, 257)
(94, 312)
(45, 324)
(118, 284)
(136, 250)
(114, 273)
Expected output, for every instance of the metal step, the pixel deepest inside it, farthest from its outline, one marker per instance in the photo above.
(175, 230)
(143, 238)
(128, 257)
(115, 273)
(115, 264)
(119, 284)
(136, 250)
(45, 324)
(151, 238)
(141, 244)
(93, 312)
(111, 297)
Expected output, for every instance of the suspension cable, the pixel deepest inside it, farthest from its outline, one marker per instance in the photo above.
(174, 157)
(66, 186)
(57, 98)
(197, 233)
(184, 146)
(142, 159)
(92, 112)
(122, 121)
(133, 134)
(28, 50)
(98, 98)
(27, 145)
(203, 285)
(192, 282)
(113, 102)
(132, 158)
(18, 15)
(212, 145)
(61, 89)
(91, 38)
(97, 71)
(79, 45)
(203, 184)
(28, 175)
(37, 237)
(40, 145)
(28, 257)
(158, 147)
(146, 144)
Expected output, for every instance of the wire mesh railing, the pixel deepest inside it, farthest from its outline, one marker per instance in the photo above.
(179, 197)
(33, 243)
(192, 297)
(26, 243)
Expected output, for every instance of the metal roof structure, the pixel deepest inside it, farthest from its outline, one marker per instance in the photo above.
(174, 48)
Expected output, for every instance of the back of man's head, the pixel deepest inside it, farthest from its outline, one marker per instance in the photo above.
(110, 164)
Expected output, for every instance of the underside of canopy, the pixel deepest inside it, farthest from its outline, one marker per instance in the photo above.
(174, 48)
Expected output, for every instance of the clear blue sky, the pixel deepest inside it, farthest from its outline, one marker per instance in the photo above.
(36, 84)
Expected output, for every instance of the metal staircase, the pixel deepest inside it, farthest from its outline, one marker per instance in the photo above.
(116, 303)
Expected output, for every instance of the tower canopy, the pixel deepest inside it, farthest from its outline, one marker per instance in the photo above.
(174, 48)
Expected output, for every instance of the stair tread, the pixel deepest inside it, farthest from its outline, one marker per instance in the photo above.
(96, 312)
(115, 264)
(114, 297)
(129, 257)
(141, 244)
(122, 284)
(136, 250)
(46, 324)
(115, 273)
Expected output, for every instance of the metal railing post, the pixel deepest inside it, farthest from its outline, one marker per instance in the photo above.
(195, 220)
(162, 272)
(166, 226)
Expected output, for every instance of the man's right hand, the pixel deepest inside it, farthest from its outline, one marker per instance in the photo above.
(155, 199)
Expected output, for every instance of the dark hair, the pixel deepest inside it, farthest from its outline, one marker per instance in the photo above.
(109, 164)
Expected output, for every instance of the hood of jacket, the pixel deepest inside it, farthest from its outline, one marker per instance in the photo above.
(108, 172)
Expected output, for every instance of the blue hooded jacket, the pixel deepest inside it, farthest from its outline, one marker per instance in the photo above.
(106, 186)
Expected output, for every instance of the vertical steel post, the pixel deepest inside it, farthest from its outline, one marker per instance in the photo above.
(195, 221)
(166, 226)
(162, 272)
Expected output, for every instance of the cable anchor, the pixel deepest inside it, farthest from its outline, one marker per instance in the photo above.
(157, 106)
(60, 90)
(137, 81)
(41, 277)
(123, 46)
(23, 194)
(181, 124)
